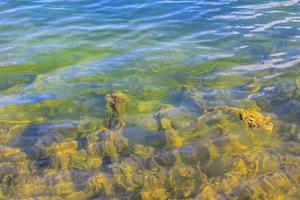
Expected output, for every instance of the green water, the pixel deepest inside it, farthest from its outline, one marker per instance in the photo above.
(173, 61)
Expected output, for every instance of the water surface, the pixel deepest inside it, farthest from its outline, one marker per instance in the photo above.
(59, 59)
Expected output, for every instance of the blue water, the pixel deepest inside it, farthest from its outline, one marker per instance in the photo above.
(59, 59)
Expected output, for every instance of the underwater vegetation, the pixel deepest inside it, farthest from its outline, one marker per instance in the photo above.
(250, 117)
(180, 157)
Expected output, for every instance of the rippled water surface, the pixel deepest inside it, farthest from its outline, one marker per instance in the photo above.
(112, 99)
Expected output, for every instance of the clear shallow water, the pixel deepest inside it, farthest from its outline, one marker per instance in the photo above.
(59, 59)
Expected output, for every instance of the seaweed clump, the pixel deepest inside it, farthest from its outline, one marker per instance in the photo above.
(115, 106)
(250, 116)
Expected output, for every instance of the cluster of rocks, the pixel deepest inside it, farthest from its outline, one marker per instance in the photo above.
(213, 156)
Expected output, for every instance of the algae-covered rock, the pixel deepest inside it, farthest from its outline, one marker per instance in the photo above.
(180, 118)
(165, 126)
(60, 154)
(262, 161)
(9, 130)
(193, 154)
(6, 150)
(231, 173)
(77, 196)
(155, 194)
(28, 186)
(250, 189)
(153, 180)
(163, 159)
(108, 148)
(60, 185)
(143, 151)
(190, 96)
(115, 105)
(223, 144)
(8, 169)
(128, 175)
(183, 181)
(105, 143)
(219, 166)
(207, 193)
(274, 181)
(65, 146)
(156, 139)
(99, 184)
(77, 159)
(161, 114)
(101, 135)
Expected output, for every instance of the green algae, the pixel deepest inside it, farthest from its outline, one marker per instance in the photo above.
(219, 63)
(40, 62)
(11, 82)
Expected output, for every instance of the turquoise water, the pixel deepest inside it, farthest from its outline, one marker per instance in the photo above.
(59, 60)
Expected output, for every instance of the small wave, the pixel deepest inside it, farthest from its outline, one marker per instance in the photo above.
(270, 5)
(276, 63)
(264, 27)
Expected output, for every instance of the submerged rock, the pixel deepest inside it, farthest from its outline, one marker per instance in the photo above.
(106, 143)
(99, 184)
(184, 181)
(159, 193)
(65, 146)
(143, 151)
(10, 129)
(165, 127)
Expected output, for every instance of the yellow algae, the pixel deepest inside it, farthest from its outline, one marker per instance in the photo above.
(65, 146)
(35, 186)
(251, 117)
(9, 151)
(208, 193)
(183, 180)
(145, 106)
(161, 117)
(14, 121)
(155, 194)
(143, 151)
(59, 183)
(61, 161)
(126, 175)
(223, 144)
(165, 124)
(9, 130)
(212, 150)
(77, 196)
(92, 162)
(174, 139)
(240, 168)
(93, 149)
